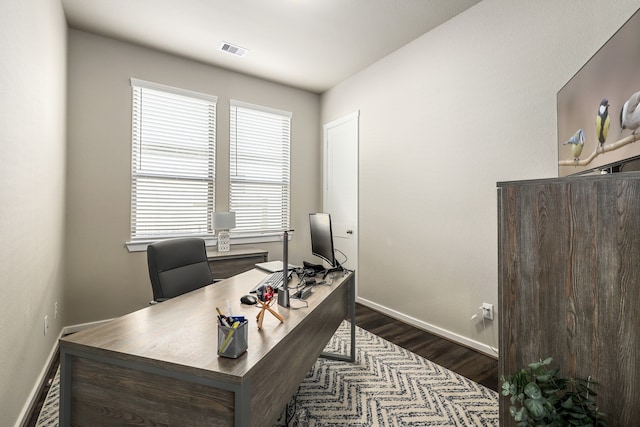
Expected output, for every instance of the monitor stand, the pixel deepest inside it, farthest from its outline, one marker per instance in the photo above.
(315, 267)
(331, 270)
(321, 269)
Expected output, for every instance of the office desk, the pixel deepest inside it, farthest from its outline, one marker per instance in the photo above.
(235, 261)
(159, 365)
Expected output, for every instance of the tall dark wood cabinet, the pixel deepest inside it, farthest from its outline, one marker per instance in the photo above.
(569, 283)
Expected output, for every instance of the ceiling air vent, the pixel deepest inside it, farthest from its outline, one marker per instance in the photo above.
(234, 50)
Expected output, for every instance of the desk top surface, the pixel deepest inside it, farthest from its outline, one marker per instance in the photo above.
(181, 333)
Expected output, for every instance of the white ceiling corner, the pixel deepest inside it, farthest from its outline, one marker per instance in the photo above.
(308, 44)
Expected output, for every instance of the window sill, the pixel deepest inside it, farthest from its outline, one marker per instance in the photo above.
(140, 246)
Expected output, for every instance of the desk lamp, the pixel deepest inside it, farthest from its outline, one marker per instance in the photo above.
(223, 222)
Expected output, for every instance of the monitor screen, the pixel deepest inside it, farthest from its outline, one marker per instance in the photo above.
(322, 237)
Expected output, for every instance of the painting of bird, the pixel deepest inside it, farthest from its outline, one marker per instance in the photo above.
(603, 122)
(577, 144)
(630, 114)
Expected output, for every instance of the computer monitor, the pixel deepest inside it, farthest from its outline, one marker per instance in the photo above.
(322, 238)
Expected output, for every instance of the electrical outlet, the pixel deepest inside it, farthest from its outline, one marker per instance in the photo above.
(487, 310)
(55, 310)
(46, 324)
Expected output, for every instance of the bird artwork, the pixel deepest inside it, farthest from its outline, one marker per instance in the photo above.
(577, 144)
(603, 122)
(630, 113)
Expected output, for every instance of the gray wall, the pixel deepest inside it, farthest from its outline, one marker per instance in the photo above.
(442, 120)
(33, 64)
(104, 279)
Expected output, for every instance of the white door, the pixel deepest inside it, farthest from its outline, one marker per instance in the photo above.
(340, 194)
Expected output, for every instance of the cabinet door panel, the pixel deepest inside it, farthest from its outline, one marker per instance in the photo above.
(569, 261)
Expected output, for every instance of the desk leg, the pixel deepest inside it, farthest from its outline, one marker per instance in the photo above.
(242, 413)
(351, 306)
(64, 416)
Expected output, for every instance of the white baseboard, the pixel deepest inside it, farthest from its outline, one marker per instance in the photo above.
(459, 339)
(25, 413)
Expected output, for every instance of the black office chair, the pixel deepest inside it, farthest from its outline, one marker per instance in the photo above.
(177, 266)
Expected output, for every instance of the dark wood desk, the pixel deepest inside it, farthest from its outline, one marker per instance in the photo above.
(235, 261)
(159, 365)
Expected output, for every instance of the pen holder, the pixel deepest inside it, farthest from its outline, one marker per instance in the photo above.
(232, 342)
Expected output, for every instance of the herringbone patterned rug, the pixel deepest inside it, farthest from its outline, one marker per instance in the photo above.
(387, 386)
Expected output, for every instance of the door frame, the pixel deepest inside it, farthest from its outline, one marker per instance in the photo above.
(325, 180)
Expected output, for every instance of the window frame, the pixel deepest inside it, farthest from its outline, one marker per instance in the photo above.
(206, 173)
(247, 233)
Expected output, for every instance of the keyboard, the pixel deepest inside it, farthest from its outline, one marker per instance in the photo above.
(275, 280)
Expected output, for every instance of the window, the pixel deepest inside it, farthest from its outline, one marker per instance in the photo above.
(172, 162)
(259, 166)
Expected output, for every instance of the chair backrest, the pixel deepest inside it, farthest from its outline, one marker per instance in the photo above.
(177, 266)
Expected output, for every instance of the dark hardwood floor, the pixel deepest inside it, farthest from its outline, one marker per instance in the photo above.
(465, 361)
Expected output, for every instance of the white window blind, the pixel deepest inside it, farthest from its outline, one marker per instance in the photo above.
(259, 166)
(173, 162)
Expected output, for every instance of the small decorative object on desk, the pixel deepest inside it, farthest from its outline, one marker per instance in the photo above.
(265, 299)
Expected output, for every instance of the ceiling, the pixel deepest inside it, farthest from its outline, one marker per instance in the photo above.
(308, 44)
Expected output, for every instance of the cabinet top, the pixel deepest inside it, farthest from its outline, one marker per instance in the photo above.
(236, 252)
(574, 178)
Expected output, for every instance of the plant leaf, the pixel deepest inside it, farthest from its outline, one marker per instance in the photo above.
(518, 415)
(567, 404)
(535, 408)
(533, 391)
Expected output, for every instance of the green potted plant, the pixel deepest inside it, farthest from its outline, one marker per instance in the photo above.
(539, 397)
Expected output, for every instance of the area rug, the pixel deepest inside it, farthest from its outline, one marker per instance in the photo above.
(387, 386)
(48, 416)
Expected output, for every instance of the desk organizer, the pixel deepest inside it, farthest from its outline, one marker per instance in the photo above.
(232, 342)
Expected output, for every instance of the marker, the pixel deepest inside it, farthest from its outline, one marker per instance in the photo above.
(223, 321)
(222, 318)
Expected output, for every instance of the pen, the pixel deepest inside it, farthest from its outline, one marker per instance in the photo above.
(222, 318)
(223, 321)
(229, 308)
